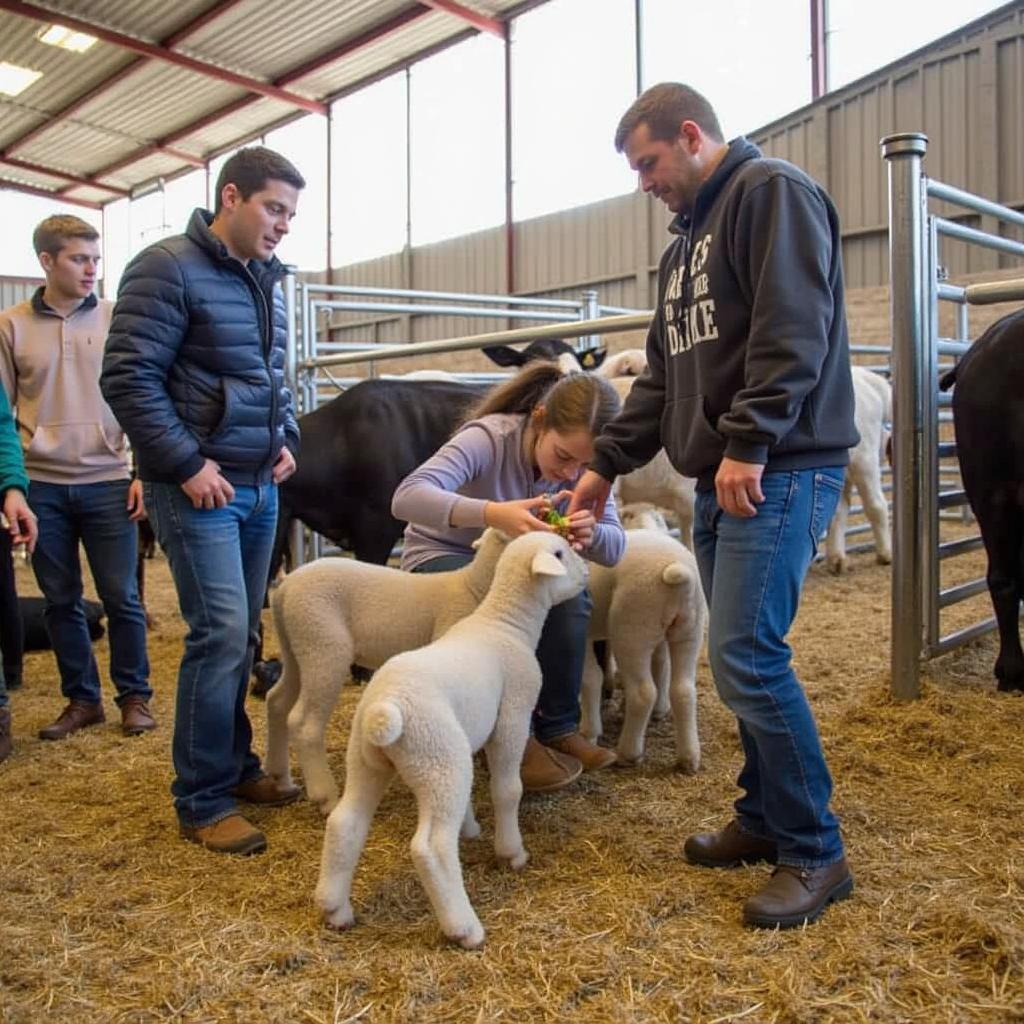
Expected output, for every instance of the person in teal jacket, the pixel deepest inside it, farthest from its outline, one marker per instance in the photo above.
(21, 525)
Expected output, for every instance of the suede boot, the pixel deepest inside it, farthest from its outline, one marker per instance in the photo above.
(232, 834)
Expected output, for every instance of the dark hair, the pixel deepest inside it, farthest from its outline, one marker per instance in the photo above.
(250, 169)
(571, 401)
(52, 234)
(663, 108)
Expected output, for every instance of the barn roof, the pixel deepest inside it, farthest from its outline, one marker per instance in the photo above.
(168, 86)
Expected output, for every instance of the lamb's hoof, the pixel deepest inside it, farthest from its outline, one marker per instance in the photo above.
(470, 829)
(628, 760)
(471, 937)
(837, 566)
(659, 715)
(265, 674)
(883, 558)
(325, 803)
(688, 765)
(340, 920)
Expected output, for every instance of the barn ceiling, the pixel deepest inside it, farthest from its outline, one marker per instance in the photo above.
(166, 86)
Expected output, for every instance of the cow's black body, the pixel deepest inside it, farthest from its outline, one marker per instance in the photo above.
(988, 414)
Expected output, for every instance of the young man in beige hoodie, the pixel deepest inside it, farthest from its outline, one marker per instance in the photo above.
(51, 350)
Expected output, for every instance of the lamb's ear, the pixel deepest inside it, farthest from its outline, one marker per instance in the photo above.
(545, 564)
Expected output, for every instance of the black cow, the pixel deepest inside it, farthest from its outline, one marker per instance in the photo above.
(988, 415)
(34, 628)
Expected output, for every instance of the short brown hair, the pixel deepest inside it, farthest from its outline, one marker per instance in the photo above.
(52, 234)
(250, 169)
(663, 108)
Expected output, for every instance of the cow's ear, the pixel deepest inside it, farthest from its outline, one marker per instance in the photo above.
(503, 355)
(593, 358)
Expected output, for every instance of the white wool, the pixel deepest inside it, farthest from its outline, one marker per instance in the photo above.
(423, 716)
(872, 395)
(651, 610)
(337, 612)
(631, 362)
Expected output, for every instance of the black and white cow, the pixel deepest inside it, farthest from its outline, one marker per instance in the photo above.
(988, 415)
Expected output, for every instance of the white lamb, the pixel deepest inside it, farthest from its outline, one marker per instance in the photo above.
(337, 612)
(658, 483)
(651, 610)
(426, 712)
(872, 410)
(630, 362)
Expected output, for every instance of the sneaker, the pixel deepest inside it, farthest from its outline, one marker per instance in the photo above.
(729, 847)
(794, 896)
(136, 717)
(5, 733)
(544, 770)
(232, 834)
(590, 755)
(267, 791)
(77, 715)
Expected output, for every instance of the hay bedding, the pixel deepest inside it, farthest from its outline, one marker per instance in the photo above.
(105, 916)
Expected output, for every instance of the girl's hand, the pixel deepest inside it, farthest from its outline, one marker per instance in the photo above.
(581, 522)
(517, 517)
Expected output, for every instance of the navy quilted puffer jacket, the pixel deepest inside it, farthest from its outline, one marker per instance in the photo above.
(194, 362)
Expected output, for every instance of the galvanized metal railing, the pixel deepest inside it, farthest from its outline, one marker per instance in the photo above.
(918, 500)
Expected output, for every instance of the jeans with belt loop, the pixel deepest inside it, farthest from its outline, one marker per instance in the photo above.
(752, 571)
(220, 559)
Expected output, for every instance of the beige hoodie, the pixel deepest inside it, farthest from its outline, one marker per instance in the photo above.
(50, 368)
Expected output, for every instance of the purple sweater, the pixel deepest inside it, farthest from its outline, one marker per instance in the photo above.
(443, 501)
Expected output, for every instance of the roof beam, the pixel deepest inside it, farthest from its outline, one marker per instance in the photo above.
(475, 18)
(157, 52)
(74, 179)
(87, 97)
(15, 186)
(394, 23)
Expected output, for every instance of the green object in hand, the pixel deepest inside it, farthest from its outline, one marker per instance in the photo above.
(555, 518)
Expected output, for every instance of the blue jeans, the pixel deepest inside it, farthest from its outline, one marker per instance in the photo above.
(752, 571)
(95, 515)
(219, 559)
(561, 651)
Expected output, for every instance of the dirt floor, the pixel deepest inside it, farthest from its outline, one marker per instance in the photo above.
(106, 916)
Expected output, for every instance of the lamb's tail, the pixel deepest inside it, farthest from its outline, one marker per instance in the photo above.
(675, 573)
(382, 722)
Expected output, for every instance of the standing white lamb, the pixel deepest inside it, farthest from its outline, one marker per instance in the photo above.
(337, 612)
(872, 395)
(426, 712)
(651, 610)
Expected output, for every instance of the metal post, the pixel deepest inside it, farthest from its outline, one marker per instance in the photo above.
(907, 199)
(589, 310)
(928, 471)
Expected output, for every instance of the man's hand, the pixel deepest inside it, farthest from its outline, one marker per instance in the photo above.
(135, 505)
(738, 487)
(517, 517)
(284, 466)
(581, 523)
(208, 489)
(21, 519)
(590, 494)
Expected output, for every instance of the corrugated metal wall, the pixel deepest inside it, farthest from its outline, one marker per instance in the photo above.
(16, 289)
(966, 92)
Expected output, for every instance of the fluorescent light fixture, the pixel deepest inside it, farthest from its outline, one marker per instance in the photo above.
(15, 79)
(68, 39)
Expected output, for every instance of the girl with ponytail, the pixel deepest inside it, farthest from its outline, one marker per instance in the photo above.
(518, 454)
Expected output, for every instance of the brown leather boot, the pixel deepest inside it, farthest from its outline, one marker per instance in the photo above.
(590, 755)
(232, 834)
(729, 848)
(77, 715)
(794, 896)
(266, 790)
(136, 718)
(5, 733)
(544, 769)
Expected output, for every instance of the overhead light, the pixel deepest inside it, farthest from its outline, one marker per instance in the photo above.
(68, 39)
(15, 79)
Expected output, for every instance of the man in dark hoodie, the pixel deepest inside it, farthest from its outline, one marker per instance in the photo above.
(194, 372)
(749, 390)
